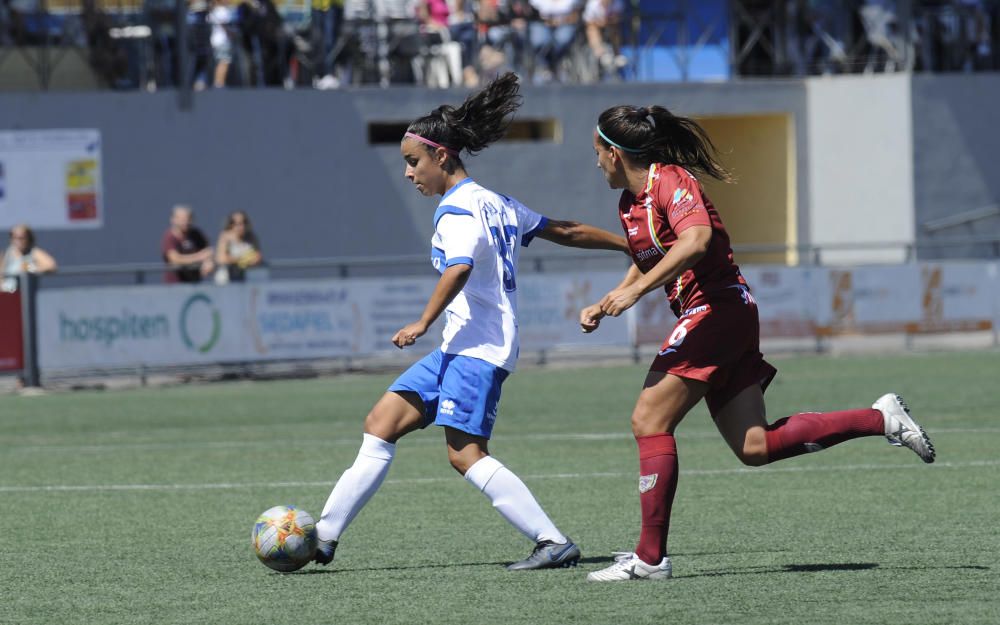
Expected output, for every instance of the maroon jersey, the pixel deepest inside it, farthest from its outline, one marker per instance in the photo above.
(671, 203)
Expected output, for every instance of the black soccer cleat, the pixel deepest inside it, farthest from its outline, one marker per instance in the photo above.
(324, 551)
(549, 555)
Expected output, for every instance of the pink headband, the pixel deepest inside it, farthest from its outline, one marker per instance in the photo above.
(431, 143)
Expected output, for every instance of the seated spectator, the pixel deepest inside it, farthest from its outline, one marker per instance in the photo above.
(238, 249)
(185, 249)
(327, 21)
(221, 18)
(506, 23)
(23, 256)
(266, 40)
(602, 19)
(552, 35)
(444, 21)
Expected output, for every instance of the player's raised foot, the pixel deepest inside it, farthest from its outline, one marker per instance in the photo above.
(324, 551)
(629, 567)
(900, 428)
(549, 555)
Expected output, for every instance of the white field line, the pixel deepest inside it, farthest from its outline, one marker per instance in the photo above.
(355, 441)
(68, 488)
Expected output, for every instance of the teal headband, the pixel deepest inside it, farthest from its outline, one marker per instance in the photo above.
(620, 147)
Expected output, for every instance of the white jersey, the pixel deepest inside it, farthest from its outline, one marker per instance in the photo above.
(477, 227)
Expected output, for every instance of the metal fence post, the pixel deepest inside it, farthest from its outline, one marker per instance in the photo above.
(29, 288)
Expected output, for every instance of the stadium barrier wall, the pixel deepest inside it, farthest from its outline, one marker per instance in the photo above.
(11, 332)
(159, 325)
(124, 327)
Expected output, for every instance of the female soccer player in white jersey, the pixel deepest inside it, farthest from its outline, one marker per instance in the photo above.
(477, 234)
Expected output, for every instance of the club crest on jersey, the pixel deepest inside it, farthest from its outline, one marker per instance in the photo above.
(647, 482)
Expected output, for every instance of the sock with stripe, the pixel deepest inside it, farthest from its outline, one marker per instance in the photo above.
(658, 468)
(815, 431)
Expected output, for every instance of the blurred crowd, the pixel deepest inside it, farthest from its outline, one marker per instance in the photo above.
(329, 43)
(821, 37)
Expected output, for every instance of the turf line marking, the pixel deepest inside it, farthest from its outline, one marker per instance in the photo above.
(541, 476)
(355, 441)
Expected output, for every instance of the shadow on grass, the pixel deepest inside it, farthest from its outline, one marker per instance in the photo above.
(824, 567)
(414, 567)
(750, 570)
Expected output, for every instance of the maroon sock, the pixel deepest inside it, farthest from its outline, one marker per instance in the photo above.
(815, 431)
(657, 485)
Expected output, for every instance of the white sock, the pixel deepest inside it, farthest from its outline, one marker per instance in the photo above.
(355, 487)
(513, 500)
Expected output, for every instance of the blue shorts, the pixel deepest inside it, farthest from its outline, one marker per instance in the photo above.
(458, 391)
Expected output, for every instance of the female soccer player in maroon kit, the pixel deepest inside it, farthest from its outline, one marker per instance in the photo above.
(677, 241)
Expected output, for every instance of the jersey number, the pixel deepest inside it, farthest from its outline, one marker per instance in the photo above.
(504, 240)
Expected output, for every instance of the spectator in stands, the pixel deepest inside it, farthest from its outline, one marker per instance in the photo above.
(451, 20)
(23, 256)
(5, 21)
(327, 19)
(818, 36)
(185, 248)
(200, 37)
(506, 23)
(237, 250)
(603, 24)
(221, 18)
(552, 35)
(268, 41)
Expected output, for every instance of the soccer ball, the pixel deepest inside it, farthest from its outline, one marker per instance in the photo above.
(284, 538)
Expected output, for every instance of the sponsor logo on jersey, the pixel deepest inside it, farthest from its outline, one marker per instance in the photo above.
(649, 252)
(447, 407)
(633, 231)
(695, 310)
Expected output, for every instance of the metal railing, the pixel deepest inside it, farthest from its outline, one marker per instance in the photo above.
(879, 252)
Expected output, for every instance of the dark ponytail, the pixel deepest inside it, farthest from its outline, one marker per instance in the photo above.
(482, 119)
(655, 135)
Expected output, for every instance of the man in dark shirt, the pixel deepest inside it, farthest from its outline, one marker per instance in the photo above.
(185, 248)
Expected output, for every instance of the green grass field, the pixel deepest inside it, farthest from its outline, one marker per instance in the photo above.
(136, 506)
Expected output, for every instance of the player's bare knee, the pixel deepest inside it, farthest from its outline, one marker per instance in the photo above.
(754, 451)
(377, 423)
(753, 457)
(460, 462)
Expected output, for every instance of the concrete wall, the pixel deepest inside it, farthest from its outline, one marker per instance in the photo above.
(956, 156)
(860, 165)
(873, 155)
(300, 164)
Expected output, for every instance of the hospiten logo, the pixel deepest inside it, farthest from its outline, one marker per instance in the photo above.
(200, 323)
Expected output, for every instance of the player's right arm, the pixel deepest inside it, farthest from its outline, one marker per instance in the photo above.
(450, 284)
(590, 317)
(576, 234)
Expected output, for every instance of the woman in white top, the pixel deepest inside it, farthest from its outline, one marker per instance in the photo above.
(238, 249)
(477, 235)
(23, 256)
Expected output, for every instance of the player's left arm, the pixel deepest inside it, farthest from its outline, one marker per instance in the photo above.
(450, 284)
(576, 234)
(691, 245)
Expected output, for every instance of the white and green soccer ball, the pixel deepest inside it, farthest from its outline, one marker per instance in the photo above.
(284, 538)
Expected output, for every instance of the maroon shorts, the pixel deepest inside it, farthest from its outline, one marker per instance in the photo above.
(718, 343)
